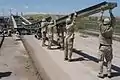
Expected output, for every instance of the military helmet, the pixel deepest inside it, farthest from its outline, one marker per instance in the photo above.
(51, 22)
(17, 32)
(4, 31)
(43, 20)
(106, 21)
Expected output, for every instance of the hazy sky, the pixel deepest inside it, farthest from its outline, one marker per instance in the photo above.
(50, 6)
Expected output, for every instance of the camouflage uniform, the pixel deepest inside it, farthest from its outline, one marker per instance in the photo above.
(61, 36)
(105, 48)
(9, 32)
(17, 34)
(44, 31)
(58, 35)
(39, 34)
(50, 34)
(69, 38)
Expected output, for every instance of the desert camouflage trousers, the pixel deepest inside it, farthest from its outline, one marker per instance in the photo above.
(44, 38)
(68, 47)
(50, 40)
(105, 53)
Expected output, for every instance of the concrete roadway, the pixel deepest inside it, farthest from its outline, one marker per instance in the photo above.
(15, 63)
(84, 65)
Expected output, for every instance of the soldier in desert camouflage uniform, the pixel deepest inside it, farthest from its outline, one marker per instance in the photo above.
(50, 33)
(60, 35)
(69, 38)
(38, 34)
(105, 40)
(44, 25)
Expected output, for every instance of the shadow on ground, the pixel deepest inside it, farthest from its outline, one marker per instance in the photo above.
(86, 55)
(5, 74)
(1, 42)
(78, 59)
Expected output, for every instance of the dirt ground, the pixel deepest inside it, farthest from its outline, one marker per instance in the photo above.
(15, 63)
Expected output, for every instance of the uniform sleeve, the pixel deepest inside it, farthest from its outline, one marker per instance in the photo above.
(69, 26)
(107, 32)
(44, 24)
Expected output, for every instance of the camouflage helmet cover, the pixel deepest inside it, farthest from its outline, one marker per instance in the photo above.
(43, 19)
(106, 21)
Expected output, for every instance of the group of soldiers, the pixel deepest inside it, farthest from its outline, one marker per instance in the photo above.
(65, 34)
(6, 32)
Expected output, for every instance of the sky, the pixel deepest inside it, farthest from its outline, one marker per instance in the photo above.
(50, 6)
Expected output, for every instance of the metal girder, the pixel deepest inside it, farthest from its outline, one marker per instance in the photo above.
(90, 10)
(27, 21)
(47, 19)
(14, 22)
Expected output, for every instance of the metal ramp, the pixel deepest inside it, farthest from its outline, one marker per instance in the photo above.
(25, 20)
(14, 22)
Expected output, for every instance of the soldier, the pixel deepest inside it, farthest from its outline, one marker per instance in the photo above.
(17, 34)
(69, 38)
(3, 33)
(105, 40)
(60, 35)
(9, 32)
(39, 34)
(44, 25)
(50, 33)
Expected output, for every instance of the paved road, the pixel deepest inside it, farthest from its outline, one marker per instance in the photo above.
(84, 65)
(89, 48)
(15, 60)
